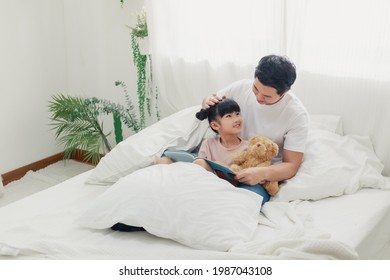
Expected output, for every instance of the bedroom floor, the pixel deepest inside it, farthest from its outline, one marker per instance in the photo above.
(42, 179)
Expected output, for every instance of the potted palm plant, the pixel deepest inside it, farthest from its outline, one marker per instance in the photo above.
(78, 126)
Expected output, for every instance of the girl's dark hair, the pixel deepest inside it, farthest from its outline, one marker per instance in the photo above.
(223, 107)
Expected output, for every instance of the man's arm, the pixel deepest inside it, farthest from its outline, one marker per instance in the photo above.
(276, 172)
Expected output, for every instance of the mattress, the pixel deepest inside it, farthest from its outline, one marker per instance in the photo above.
(42, 226)
(360, 220)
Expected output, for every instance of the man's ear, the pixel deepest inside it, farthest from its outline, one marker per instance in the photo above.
(214, 125)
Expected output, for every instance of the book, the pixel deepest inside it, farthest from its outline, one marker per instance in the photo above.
(180, 155)
(223, 172)
(220, 170)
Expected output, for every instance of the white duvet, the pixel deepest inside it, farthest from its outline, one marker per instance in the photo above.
(185, 203)
(43, 227)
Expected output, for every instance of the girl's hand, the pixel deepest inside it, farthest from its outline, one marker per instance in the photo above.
(252, 175)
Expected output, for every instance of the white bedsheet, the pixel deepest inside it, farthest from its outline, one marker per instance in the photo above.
(361, 220)
(42, 226)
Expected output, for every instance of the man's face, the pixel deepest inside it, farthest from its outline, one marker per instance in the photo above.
(265, 95)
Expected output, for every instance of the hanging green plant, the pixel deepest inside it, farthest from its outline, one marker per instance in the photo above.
(76, 120)
(141, 27)
(138, 32)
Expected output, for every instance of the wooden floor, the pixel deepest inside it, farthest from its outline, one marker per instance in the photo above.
(40, 164)
(35, 181)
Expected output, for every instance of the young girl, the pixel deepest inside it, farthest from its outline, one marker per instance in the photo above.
(225, 119)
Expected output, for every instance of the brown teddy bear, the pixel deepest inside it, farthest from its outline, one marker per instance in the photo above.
(260, 152)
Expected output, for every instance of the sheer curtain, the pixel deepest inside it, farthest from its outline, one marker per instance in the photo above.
(199, 46)
(342, 38)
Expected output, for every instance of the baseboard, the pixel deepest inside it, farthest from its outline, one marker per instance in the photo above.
(20, 172)
(79, 155)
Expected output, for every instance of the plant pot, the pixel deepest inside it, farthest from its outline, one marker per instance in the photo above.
(144, 46)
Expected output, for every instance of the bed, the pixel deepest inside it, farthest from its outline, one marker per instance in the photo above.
(337, 207)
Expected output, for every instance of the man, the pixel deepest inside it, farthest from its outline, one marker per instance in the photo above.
(269, 108)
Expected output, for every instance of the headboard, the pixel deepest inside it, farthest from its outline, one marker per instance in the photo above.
(364, 106)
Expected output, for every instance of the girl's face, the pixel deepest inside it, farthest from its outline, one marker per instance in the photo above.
(230, 123)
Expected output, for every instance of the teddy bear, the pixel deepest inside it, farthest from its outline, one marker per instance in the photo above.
(260, 152)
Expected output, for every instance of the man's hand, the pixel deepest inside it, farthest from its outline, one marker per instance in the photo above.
(211, 100)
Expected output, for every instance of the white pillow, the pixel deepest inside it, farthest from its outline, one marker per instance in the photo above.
(332, 123)
(180, 201)
(181, 130)
(333, 165)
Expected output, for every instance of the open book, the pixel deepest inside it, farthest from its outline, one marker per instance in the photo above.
(221, 171)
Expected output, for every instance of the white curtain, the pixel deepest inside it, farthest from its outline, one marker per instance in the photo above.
(342, 38)
(199, 46)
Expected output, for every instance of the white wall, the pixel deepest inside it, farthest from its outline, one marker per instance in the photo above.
(98, 50)
(78, 47)
(98, 46)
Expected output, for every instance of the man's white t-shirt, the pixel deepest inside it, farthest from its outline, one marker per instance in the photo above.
(286, 122)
